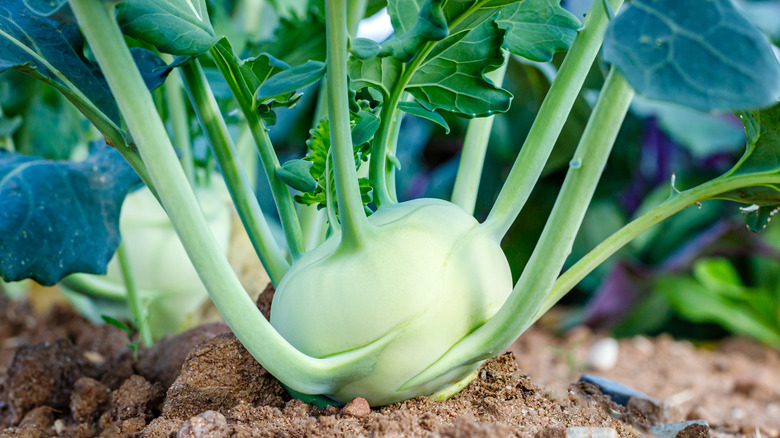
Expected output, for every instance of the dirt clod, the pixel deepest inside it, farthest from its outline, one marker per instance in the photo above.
(358, 407)
(87, 397)
(694, 431)
(216, 376)
(38, 376)
(209, 424)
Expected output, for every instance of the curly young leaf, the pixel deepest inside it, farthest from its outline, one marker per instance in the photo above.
(60, 217)
(537, 29)
(708, 57)
(451, 78)
(178, 27)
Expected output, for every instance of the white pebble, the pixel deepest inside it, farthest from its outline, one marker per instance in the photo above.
(603, 355)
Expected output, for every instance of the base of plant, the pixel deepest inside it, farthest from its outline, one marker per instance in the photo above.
(448, 392)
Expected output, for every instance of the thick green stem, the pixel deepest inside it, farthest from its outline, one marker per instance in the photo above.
(230, 70)
(236, 179)
(472, 158)
(303, 373)
(140, 321)
(550, 120)
(351, 214)
(635, 228)
(177, 113)
(556, 240)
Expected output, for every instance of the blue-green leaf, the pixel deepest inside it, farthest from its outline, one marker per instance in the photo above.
(418, 110)
(365, 127)
(53, 52)
(60, 217)
(708, 57)
(537, 29)
(179, 27)
(289, 81)
(297, 174)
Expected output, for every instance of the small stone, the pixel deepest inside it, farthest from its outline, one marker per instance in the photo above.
(591, 432)
(603, 355)
(618, 392)
(358, 407)
(330, 410)
(209, 424)
(684, 429)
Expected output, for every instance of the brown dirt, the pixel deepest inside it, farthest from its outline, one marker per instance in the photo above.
(60, 376)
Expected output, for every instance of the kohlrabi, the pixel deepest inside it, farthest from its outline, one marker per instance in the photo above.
(408, 298)
(170, 292)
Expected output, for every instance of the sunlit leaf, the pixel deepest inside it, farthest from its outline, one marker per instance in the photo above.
(537, 29)
(708, 57)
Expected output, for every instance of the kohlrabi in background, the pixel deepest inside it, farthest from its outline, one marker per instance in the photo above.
(407, 298)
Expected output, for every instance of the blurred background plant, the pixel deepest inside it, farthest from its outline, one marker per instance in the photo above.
(701, 274)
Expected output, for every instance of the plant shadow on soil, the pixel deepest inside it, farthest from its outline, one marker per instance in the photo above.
(62, 376)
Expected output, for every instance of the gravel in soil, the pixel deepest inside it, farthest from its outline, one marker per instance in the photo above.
(61, 376)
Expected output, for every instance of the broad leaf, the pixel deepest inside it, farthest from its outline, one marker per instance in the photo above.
(452, 75)
(537, 29)
(707, 57)
(179, 27)
(60, 217)
(257, 70)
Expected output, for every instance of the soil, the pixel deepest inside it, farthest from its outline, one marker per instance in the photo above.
(61, 376)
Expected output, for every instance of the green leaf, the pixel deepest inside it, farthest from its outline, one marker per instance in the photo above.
(296, 40)
(378, 73)
(179, 27)
(763, 145)
(417, 110)
(289, 81)
(364, 48)
(708, 57)
(757, 217)
(365, 128)
(452, 77)
(537, 29)
(118, 324)
(718, 275)
(430, 24)
(694, 302)
(297, 174)
(257, 70)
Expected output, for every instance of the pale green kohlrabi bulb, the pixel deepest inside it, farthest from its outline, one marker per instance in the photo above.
(426, 275)
(168, 284)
